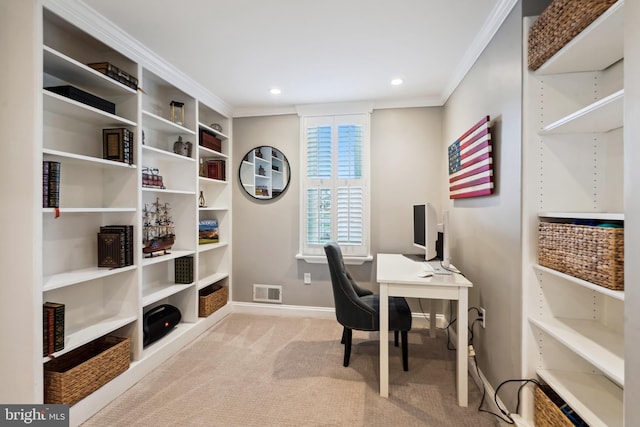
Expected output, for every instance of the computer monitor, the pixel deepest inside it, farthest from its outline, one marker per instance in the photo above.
(425, 229)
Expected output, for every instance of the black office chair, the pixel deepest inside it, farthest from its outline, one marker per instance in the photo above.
(358, 308)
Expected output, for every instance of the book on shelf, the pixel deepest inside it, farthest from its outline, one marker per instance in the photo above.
(115, 246)
(126, 241)
(117, 145)
(216, 169)
(184, 270)
(208, 231)
(50, 184)
(53, 327)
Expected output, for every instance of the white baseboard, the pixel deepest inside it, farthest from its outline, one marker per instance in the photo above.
(419, 320)
(266, 309)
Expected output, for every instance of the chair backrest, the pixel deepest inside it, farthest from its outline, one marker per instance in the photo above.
(350, 310)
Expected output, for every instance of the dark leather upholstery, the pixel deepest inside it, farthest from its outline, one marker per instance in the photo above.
(357, 308)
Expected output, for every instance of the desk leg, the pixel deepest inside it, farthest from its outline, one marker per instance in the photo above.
(461, 348)
(432, 318)
(384, 340)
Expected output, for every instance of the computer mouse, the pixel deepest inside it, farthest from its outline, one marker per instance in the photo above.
(425, 274)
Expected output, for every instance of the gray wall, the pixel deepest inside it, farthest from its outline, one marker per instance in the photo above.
(406, 167)
(487, 230)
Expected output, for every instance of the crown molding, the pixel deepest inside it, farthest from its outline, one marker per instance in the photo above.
(91, 22)
(482, 40)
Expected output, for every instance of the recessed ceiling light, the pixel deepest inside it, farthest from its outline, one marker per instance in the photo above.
(275, 91)
(396, 82)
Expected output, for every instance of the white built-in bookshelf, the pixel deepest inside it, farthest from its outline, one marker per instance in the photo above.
(573, 336)
(96, 192)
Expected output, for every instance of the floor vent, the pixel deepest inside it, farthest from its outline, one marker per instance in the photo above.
(267, 293)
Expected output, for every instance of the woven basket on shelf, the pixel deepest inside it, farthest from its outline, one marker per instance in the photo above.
(560, 22)
(74, 375)
(594, 254)
(211, 298)
(547, 412)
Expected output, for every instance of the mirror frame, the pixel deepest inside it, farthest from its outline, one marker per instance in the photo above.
(260, 168)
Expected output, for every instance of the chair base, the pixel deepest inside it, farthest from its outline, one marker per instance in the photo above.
(347, 334)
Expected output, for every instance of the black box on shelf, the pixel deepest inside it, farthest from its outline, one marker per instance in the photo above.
(84, 97)
(184, 270)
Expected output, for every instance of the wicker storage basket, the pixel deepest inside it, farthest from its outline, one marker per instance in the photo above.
(212, 298)
(560, 22)
(74, 375)
(594, 254)
(547, 412)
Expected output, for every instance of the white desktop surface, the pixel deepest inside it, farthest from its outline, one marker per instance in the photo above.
(398, 275)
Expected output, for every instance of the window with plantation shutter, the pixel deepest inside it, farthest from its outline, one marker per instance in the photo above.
(335, 185)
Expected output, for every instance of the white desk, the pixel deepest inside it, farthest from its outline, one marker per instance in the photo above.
(398, 276)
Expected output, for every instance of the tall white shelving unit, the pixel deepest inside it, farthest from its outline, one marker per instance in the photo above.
(96, 192)
(573, 336)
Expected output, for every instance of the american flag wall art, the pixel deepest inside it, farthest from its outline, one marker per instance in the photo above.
(471, 163)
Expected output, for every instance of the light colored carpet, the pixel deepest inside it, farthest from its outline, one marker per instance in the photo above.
(252, 370)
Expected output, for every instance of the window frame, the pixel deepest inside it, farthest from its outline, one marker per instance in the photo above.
(352, 254)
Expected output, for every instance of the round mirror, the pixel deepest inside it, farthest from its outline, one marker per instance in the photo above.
(264, 172)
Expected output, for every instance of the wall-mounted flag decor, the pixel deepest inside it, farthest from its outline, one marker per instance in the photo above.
(471, 163)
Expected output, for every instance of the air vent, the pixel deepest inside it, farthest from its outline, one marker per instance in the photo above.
(267, 293)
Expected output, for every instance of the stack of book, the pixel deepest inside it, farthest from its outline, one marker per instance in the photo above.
(50, 184)
(117, 145)
(115, 246)
(53, 327)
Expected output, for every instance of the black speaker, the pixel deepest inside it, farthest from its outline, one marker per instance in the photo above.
(158, 322)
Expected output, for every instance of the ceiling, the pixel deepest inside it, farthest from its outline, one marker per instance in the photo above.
(315, 51)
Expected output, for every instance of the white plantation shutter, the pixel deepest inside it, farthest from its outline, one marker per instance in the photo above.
(336, 184)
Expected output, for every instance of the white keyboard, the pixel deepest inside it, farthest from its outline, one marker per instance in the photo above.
(435, 267)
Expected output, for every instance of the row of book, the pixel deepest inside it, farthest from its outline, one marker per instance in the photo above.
(50, 184)
(115, 246)
(53, 327)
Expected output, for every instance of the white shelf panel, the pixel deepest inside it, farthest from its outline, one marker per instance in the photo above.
(68, 107)
(213, 278)
(210, 129)
(213, 208)
(167, 191)
(591, 340)
(619, 295)
(75, 339)
(95, 161)
(160, 292)
(597, 400)
(148, 151)
(209, 153)
(211, 180)
(168, 257)
(602, 116)
(602, 216)
(59, 65)
(164, 125)
(211, 246)
(598, 46)
(69, 278)
(89, 210)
